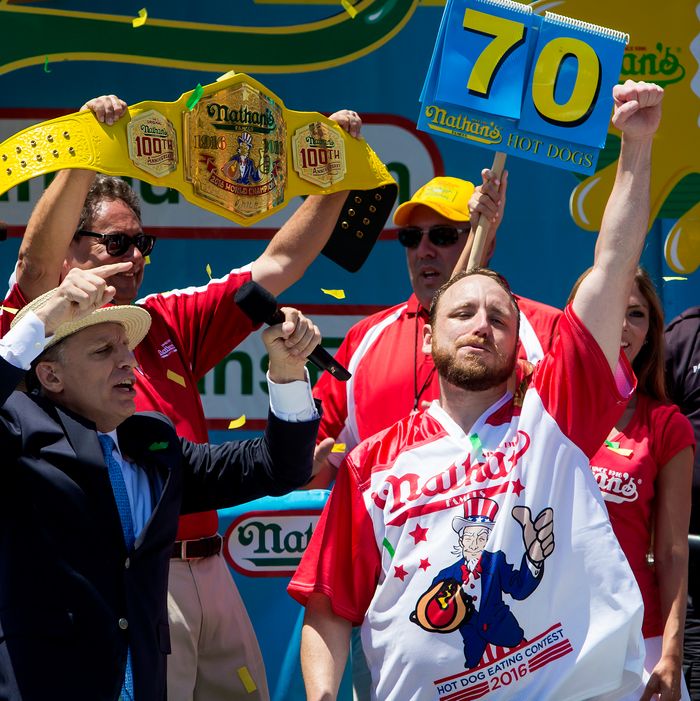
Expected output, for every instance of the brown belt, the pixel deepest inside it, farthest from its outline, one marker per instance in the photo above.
(193, 549)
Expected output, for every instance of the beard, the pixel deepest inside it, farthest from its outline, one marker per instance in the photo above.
(470, 372)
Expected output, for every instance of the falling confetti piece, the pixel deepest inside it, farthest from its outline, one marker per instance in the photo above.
(673, 277)
(476, 442)
(141, 19)
(195, 97)
(225, 76)
(349, 8)
(46, 65)
(338, 448)
(208, 269)
(625, 452)
(158, 446)
(147, 260)
(338, 294)
(176, 378)
(9, 310)
(247, 680)
(615, 447)
(389, 547)
(237, 423)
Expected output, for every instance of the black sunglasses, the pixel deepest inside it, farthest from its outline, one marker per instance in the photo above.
(118, 244)
(440, 235)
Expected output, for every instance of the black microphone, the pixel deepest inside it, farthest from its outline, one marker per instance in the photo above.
(260, 306)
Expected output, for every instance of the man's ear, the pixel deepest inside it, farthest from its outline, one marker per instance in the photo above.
(49, 375)
(427, 339)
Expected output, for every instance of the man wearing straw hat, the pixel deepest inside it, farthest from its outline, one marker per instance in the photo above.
(90, 492)
(84, 220)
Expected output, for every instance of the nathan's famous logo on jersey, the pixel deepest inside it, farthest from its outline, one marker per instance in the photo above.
(659, 64)
(616, 486)
(411, 494)
(269, 543)
(241, 119)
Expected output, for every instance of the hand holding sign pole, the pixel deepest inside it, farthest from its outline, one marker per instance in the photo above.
(476, 252)
(536, 87)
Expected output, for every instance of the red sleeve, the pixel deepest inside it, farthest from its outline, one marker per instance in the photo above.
(342, 560)
(333, 394)
(674, 433)
(14, 301)
(577, 387)
(545, 322)
(210, 324)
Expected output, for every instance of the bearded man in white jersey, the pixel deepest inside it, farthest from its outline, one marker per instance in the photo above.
(386, 531)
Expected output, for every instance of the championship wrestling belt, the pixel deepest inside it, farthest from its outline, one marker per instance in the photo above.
(236, 151)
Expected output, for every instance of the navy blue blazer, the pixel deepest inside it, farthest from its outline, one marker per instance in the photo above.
(71, 597)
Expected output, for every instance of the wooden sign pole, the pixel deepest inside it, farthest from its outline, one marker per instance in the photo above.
(482, 229)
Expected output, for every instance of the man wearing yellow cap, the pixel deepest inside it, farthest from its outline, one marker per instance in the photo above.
(391, 375)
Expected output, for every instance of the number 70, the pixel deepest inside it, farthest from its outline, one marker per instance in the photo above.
(507, 35)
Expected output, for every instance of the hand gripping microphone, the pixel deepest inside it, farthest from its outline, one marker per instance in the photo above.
(260, 306)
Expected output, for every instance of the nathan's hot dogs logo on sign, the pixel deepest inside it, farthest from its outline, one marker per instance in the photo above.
(656, 64)
(319, 154)
(152, 143)
(506, 79)
(269, 543)
(236, 150)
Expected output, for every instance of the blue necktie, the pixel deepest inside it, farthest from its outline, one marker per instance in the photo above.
(122, 498)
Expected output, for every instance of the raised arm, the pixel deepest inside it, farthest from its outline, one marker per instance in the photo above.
(55, 217)
(296, 245)
(602, 297)
(325, 641)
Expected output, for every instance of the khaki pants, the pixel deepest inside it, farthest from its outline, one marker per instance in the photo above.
(211, 636)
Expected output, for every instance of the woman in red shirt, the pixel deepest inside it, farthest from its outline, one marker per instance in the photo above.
(644, 471)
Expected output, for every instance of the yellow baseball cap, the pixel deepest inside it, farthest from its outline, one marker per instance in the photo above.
(448, 197)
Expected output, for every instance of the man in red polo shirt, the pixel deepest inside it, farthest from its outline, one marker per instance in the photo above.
(84, 221)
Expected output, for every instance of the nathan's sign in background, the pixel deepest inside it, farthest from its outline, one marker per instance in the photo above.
(505, 79)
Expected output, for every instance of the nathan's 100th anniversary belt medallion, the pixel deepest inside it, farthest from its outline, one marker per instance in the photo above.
(238, 152)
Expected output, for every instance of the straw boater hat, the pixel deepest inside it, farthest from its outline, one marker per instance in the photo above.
(135, 320)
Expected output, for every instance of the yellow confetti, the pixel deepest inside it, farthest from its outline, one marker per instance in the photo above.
(625, 452)
(208, 269)
(224, 76)
(237, 423)
(247, 680)
(141, 19)
(147, 260)
(338, 294)
(349, 8)
(176, 378)
(674, 277)
(9, 310)
(338, 448)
